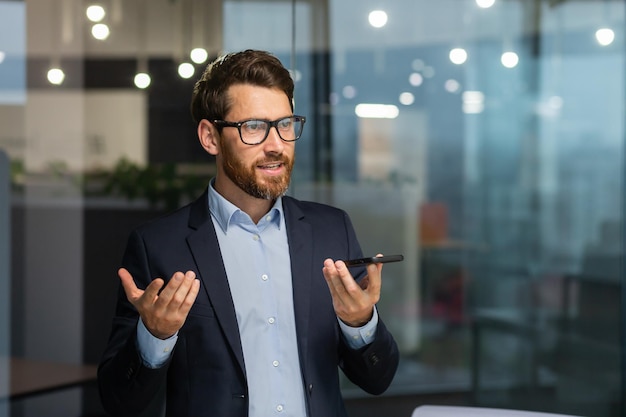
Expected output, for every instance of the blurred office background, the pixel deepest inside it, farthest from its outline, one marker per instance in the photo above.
(484, 140)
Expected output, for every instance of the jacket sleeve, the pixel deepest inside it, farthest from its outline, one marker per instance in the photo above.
(372, 367)
(127, 387)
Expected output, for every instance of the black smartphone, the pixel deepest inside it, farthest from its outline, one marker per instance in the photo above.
(373, 260)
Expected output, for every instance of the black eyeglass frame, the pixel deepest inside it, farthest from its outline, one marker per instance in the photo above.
(269, 123)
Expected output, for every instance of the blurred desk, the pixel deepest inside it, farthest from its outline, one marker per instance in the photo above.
(31, 377)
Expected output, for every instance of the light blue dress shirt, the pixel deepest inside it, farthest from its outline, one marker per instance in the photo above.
(257, 262)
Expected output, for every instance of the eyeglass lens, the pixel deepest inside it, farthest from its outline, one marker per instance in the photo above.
(255, 131)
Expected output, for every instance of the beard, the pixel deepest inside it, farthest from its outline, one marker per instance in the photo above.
(245, 176)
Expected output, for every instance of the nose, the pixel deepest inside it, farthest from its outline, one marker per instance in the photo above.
(273, 142)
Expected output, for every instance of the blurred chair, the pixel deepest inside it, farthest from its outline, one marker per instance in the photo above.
(458, 411)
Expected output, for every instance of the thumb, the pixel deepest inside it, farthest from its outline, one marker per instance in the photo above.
(130, 288)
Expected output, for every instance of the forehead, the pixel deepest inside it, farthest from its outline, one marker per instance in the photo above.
(252, 101)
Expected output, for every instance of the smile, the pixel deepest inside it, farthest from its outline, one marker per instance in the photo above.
(271, 166)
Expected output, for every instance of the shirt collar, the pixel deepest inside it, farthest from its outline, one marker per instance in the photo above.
(226, 213)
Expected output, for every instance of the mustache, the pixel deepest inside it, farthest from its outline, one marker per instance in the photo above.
(266, 161)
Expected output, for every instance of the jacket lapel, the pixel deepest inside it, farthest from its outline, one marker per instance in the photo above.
(204, 246)
(300, 237)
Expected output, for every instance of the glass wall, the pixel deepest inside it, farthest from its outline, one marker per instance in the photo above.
(483, 140)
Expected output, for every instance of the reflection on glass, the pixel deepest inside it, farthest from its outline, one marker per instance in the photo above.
(458, 56)
(605, 36)
(509, 59)
(377, 18)
(500, 180)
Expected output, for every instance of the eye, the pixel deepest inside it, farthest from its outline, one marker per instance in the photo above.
(254, 126)
(285, 124)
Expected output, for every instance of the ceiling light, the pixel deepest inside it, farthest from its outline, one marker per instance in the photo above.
(452, 85)
(377, 18)
(349, 91)
(2, 56)
(485, 4)
(473, 102)
(458, 56)
(416, 79)
(605, 36)
(95, 13)
(186, 70)
(198, 55)
(509, 59)
(56, 76)
(142, 80)
(376, 111)
(406, 98)
(100, 31)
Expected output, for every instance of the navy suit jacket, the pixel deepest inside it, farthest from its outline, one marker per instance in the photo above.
(206, 375)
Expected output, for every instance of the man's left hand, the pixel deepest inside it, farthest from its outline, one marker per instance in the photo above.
(353, 301)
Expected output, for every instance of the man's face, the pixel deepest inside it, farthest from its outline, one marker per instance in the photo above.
(264, 170)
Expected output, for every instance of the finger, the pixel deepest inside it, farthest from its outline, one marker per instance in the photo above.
(374, 280)
(346, 280)
(130, 288)
(151, 293)
(179, 298)
(340, 281)
(166, 295)
(191, 296)
(332, 277)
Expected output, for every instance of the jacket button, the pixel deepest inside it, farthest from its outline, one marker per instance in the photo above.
(374, 359)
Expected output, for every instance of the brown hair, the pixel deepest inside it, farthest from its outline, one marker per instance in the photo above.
(210, 94)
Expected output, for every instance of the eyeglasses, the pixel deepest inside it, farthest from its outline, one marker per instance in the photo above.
(255, 131)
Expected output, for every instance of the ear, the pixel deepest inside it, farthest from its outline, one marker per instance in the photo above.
(208, 136)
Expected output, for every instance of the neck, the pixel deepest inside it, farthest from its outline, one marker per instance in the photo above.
(252, 206)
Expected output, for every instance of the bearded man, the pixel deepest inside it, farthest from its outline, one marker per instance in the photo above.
(239, 304)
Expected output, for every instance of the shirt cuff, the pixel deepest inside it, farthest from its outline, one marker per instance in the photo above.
(357, 337)
(154, 351)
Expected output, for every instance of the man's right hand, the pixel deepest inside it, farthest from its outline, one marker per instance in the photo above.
(162, 313)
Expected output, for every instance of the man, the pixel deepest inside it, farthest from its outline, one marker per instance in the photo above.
(239, 304)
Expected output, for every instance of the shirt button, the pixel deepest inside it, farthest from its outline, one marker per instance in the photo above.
(271, 320)
(255, 237)
(275, 363)
(269, 217)
(279, 408)
(264, 277)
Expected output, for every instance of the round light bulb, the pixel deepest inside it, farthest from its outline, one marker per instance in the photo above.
(142, 80)
(198, 55)
(458, 56)
(186, 70)
(95, 13)
(56, 76)
(509, 59)
(100, 31)
(485, 4)
(406, 98)
(605, 36)
(377, 18)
